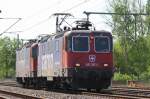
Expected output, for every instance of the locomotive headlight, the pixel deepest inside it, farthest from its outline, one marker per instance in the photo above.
(105, 65)
(77, 65)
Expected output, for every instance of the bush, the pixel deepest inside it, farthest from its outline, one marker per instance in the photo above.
(122, 77)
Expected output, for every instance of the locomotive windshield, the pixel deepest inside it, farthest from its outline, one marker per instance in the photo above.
(80, 44)
(102, 44)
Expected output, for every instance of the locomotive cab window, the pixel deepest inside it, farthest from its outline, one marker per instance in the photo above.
(68, 42)
(102, 44)
(80, 44)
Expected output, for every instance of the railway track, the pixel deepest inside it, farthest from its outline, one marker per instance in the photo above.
(114, 93)
(8, 94)
(132, 93)
(115, 96)
(107, 95)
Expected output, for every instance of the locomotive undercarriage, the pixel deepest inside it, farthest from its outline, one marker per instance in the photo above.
(78, 78)
(91, 78)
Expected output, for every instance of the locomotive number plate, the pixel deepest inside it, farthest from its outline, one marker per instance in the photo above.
(91, 64)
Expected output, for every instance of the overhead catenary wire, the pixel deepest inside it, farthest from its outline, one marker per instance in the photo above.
(43, 21)
(35, 25)
(41, 11)
(44, 10)
(36, 13)
(77, 5)
(18, 19)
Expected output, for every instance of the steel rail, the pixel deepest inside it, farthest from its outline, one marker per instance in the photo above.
(116, 92)
(19, 95)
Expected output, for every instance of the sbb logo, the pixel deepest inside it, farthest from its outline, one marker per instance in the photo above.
(92, 58)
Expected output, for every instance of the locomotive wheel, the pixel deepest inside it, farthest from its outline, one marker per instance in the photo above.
(88, 89)
(66, 86)
(98, 90)
(74, 87)
(23, 85)
(50, 85)
(36, 86)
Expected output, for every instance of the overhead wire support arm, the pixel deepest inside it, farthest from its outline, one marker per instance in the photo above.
(5, 31)
(58, 21)
(113, 13)
(63, 19)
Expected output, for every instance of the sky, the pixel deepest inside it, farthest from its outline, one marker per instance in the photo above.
(36, 15)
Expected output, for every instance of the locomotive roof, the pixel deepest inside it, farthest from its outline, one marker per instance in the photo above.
(80, 31)
(60, 34)
(28, 44)
(88, 31)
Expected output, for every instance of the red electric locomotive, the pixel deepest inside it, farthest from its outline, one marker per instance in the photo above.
(73, 58)
(87, 58)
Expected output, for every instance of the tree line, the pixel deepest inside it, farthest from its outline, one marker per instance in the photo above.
(132, 39)
(7, 57)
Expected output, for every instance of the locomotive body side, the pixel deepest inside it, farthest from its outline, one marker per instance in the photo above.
(23, 64)
(26, 64)
(49, 58)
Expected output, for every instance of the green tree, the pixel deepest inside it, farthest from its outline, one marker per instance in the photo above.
(131, 46)
(7, 57)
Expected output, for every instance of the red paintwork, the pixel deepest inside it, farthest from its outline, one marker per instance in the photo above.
(83, 60)
(34, 64)
(70, 59)
(33, 61)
